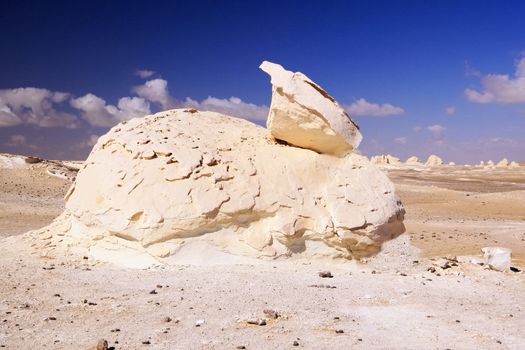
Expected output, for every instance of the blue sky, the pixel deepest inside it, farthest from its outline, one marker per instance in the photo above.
(419, 77)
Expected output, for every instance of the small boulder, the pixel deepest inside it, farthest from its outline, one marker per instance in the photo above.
(497, 258)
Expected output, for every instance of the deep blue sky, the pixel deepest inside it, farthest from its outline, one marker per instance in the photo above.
(417, 55)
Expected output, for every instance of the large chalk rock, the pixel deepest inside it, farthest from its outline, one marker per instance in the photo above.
(185, 181)
(304, 115)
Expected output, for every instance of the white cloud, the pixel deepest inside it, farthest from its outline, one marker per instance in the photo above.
(156, 91)
(95, 110)
(39, 106)
(35, 107)
(362, 107)
(144, 74)
(233, 106)
(450, 110)
(437, 131)
(501, 88)
(92, 140)
(401, 140)
(21, 141)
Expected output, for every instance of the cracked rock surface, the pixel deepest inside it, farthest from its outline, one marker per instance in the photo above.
(183, 183)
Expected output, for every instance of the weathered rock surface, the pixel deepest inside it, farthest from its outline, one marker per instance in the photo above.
(304, 115)
(514, 165)
(385, 159)
(182, 181)
(434, 160)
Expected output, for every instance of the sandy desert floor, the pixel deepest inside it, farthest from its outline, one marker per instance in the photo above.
(390, 302)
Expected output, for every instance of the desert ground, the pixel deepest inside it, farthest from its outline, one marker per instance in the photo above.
(406, 297)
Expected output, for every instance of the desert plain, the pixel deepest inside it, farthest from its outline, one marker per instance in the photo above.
(422, 291)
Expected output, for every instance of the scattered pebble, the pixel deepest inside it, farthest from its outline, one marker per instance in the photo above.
(271, 313)
(322, 286)
(257, 321)
(166, 319)
(199, 323)
(102, 344)
(339, 331)
(325, 274)
(295, 343)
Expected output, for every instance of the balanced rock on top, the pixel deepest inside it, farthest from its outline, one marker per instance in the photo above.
(188, 184)
(305, 115)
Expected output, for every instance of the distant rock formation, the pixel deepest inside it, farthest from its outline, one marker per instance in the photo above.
(385, 159)
(305, 115)
(514, 165)
(434, 160)
(187, 183)
(504, 163)
(413, 161)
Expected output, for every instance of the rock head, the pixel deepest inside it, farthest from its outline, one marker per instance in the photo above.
(304, 115)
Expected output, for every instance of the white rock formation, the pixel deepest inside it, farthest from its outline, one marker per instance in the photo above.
(413, 161)
(497, 258)
(385, 159)
(181, 182)
(490, 164)
(502, 163)
(304, 115)
(8, 161)
(514, 165)
(434, 160)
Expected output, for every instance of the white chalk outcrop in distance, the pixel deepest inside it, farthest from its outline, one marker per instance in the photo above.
(184, 183)
(434, 160)
(305, 115)
(385, 159)
(413, 161)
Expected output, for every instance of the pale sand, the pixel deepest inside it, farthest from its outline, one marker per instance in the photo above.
(466, 307)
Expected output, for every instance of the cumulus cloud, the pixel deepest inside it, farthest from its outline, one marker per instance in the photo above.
(437, 131)
(44, 108)
(21, 141)
(401, 140)
(450, 110)
(144, 74)
(501, 88)
(363, 108)
(156, 91)
(233, 106)
(34, 106)
(97, 112)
